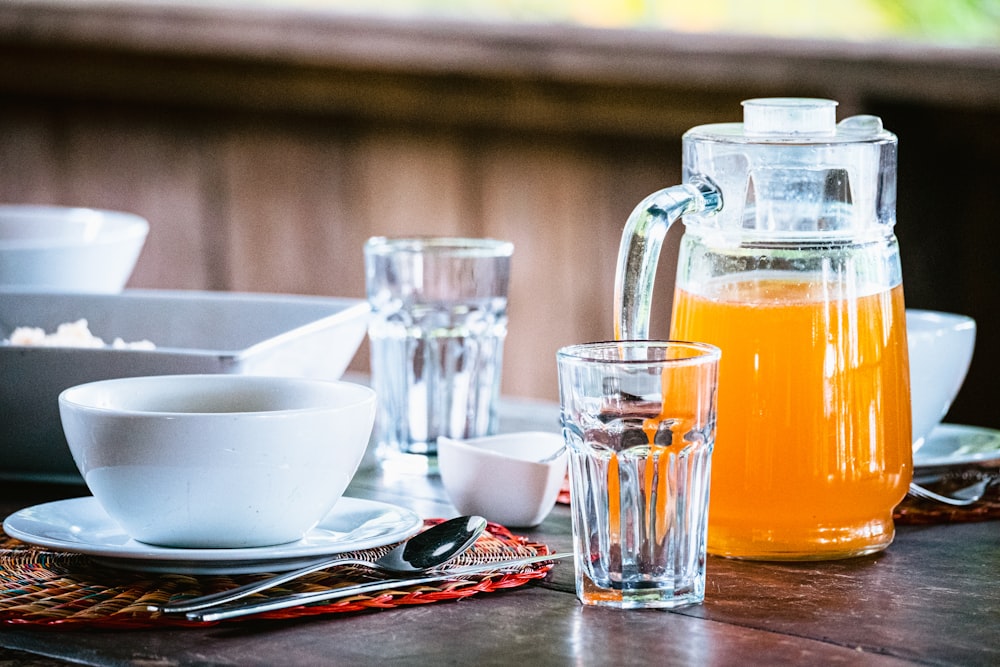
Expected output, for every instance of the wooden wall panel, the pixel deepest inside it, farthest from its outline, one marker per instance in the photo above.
(563, 203)
(286, 211)
(126, 160)
(412, 181)
(533, 196)
(264, 153)
(28, 153)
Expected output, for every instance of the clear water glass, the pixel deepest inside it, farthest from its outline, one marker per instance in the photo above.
(437, 333)
(639, 422)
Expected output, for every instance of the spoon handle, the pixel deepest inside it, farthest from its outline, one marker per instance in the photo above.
(234, 611)
(233, 594)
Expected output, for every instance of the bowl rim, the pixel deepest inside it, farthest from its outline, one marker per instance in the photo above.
(364, 395)
(124, 226)
(944, 320)
(468, 445)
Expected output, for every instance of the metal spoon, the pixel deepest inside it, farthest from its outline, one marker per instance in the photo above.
(965, 496)
(422, 552)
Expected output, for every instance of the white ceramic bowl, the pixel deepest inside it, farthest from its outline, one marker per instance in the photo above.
(501, 478)
(217, 461)
(68, 249)
(940, 348)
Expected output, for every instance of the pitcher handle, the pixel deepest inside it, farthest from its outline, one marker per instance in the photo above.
(639, 252)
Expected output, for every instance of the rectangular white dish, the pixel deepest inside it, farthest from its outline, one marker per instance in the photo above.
(194, 332)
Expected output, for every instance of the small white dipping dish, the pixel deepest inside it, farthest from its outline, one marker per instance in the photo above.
(502, 477)
(940, 348)
(68, 249)
(217, 461)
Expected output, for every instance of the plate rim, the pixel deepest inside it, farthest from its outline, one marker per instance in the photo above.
(135, 552)
(968, 459)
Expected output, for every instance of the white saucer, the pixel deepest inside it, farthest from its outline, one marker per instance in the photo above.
(955, 445)
(81, 525)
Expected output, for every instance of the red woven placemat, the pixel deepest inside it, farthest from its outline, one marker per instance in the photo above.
(42, 588)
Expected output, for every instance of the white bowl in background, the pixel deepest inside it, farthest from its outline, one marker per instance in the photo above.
(217, 461)
(501, 477)
(68, 249)
(940, 349)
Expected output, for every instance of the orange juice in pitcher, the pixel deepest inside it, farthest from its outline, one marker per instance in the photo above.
(789, 265)
(813, 427)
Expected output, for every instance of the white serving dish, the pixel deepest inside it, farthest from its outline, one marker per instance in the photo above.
(195, 332)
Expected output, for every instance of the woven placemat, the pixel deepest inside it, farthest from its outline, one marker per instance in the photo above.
(44, 588)
(918, 511)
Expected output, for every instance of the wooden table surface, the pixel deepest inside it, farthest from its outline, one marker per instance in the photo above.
(933, 598)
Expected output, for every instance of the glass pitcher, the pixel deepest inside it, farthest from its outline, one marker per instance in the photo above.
(790, 265)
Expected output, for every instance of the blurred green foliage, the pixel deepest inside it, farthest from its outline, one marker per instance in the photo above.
(956, 21)
(949, 22)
